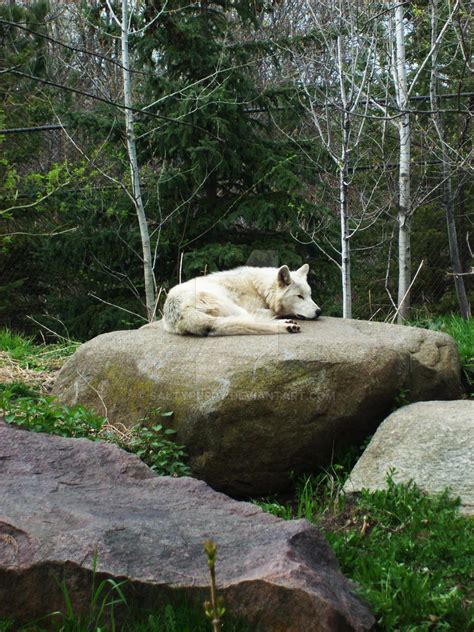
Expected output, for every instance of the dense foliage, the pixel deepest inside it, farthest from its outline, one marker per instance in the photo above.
(232, 166)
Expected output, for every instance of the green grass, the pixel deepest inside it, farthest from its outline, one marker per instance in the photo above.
(31, 355)
(411, 555)
(181, 617)
(463, 332)
(315, 496)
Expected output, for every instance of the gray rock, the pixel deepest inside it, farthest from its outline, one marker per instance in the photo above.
(252, 410)
(431, 443)
(65, 499)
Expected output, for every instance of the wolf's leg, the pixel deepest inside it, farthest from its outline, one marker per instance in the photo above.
(264, 314)
(214, 304)
(232, 326)
(194, 322)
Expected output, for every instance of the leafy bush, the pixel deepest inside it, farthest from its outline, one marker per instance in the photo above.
(44, 414)
(21, 406)
(151, 444)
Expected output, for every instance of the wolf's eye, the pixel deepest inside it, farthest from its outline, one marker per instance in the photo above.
(301, 297)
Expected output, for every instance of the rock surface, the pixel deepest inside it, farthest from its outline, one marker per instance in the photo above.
(64, 499)
(252, 410)
(431, 443)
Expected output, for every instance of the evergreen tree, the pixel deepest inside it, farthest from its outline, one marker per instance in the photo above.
(219, 160)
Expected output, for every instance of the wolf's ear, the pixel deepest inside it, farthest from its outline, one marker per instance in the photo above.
(303, 271)
(284, 277)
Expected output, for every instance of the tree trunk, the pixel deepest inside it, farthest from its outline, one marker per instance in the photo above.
(464, 306)
(343, 169)
(344, 216)
(149, 277)
(404, 199)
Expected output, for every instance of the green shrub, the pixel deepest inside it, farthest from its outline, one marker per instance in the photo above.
(42, 413)
(152, 445)
(20, 405)
(412, 556)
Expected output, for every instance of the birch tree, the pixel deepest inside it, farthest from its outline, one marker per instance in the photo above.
(333, 87)
(403, 89)
(404, 181)
(125, 31)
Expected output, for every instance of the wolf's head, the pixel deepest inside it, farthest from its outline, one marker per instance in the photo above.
(294, 294)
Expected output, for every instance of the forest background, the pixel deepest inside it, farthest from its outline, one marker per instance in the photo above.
(147, 141)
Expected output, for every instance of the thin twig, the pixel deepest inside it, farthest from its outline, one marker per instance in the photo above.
(407, 292)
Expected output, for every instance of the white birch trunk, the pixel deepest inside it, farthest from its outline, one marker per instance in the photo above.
(134, 168)
(404, 199)
(344, 216)
(343, 168)
(464, 305)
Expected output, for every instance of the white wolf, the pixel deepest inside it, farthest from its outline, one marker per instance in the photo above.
(241, 301)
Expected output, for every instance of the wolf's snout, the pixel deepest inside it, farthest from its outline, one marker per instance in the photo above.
(316, 315)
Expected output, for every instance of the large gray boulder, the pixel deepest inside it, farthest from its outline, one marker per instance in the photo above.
(254, 410)
(64, 500)
(430, 443)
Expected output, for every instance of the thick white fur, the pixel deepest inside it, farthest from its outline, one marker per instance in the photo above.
(241, 301)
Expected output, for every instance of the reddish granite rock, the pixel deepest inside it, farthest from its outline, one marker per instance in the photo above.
(62, 500)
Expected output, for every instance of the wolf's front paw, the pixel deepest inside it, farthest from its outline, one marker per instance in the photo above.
(292, 327)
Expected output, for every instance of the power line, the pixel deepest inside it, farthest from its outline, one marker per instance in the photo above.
(121, 106)
(76, 49)
(25, 130)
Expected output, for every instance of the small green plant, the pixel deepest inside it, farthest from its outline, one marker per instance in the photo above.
(41, 413)
(154, 447)
(402, 398)
(214, 609)
(272, 506)
(105, 596)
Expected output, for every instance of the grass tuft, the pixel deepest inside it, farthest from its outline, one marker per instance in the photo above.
(411, 555)
(31, 355)
(463, 332)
